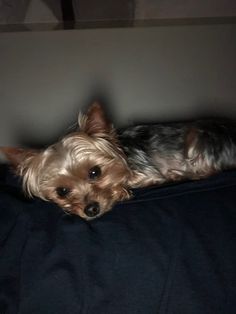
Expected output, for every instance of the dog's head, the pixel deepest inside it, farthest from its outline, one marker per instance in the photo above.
(85, 173)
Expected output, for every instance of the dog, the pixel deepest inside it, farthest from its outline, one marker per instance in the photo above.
(96, 166)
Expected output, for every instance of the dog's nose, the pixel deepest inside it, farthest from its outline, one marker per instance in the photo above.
(92, 210)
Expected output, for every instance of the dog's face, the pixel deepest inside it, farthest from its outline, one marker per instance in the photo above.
(85, 173)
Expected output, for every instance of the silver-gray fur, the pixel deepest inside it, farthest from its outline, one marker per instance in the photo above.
(175, 151)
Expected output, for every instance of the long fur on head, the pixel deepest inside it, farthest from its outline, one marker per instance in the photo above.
(68, 162)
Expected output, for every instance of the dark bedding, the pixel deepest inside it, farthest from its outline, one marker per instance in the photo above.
(171, 249)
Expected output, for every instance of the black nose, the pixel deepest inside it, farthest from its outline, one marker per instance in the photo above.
(92, 210)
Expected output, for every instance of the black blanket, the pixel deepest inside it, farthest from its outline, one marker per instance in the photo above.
(170, 249)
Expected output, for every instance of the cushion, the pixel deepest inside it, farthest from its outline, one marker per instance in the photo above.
(170, 249)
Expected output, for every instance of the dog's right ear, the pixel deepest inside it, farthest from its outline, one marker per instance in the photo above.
(16, 155)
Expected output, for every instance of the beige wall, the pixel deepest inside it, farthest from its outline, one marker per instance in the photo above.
(159, 73)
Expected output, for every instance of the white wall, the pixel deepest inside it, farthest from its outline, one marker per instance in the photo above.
(159, 73)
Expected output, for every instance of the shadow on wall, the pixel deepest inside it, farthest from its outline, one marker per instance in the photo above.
(202, 110)
(25, 137)
(216, 109)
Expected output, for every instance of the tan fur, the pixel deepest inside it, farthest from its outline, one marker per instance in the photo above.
(68, 162)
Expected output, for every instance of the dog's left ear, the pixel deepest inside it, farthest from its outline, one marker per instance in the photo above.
(16, 155)
(96, 121)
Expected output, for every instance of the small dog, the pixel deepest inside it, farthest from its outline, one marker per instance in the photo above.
(91, 169)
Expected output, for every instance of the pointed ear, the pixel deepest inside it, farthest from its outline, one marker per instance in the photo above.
(96, 121)
(17, 155)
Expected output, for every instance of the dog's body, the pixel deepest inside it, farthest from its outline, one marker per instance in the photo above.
(94, 167)
(175, 151)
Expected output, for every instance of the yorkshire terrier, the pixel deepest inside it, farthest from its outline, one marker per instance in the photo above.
(91, 169)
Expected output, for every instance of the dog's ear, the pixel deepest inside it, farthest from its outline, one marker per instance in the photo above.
(95, 121)
(17, 155)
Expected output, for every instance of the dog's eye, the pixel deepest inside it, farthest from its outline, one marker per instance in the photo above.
(62, 191)
(94, 173)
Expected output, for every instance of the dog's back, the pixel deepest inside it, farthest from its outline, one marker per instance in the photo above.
(174, 151)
